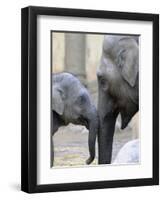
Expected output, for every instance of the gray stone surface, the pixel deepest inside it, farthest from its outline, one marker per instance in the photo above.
(129, 153)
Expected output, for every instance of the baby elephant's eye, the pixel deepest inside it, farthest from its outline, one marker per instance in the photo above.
(82, 99)
(61, 92)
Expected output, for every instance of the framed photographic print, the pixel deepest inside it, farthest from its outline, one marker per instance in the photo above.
(90, 99)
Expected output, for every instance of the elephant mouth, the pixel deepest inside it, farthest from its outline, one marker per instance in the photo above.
(84, 122)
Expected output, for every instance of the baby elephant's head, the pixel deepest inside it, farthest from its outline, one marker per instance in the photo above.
(72, 102)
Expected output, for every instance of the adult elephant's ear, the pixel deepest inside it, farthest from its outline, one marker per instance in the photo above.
(128, 61)
(57, 101)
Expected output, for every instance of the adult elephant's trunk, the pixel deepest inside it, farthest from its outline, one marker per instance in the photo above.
(93, 123)
(107, 119)
(105, 138)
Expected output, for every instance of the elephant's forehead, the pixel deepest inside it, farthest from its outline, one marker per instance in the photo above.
(69, 83)
(62, 77)
(111, 41)
(110, 44)
(113, 44)
(65, 79)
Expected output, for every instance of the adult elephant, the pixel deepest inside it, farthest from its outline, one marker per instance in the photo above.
(118, 84)
(71, 103)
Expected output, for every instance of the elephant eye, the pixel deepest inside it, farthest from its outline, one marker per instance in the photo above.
(102, 81)
(61, 92)
(82, 99)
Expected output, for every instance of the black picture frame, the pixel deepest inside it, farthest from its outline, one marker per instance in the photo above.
(29, 98)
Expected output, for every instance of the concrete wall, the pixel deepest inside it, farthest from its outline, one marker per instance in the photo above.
(58, 52)
(92, 53)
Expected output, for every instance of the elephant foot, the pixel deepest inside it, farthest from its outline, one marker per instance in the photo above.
(102, 162)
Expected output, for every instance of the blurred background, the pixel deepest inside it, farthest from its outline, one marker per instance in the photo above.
(80, 54)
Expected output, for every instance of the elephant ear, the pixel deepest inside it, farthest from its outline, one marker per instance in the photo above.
(57, 101)
(128, 62)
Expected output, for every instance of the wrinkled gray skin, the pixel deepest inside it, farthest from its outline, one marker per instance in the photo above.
(118, 77)
(71, 104)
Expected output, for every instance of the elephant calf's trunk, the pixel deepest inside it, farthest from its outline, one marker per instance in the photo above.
(93, 131)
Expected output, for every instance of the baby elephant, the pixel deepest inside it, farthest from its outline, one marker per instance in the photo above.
(71, 103)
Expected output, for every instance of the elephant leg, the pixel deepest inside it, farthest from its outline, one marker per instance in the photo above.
(51, 152)
(105, 138)
(54, 128)
(51, 141)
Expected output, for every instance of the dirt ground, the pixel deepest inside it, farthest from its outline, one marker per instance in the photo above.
(71, 145)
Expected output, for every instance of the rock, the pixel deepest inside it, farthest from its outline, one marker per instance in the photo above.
(129, 153)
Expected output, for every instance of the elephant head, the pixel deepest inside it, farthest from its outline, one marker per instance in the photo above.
(118, 82)
(71, 103)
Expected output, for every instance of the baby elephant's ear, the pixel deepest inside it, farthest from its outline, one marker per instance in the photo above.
(128, 62)
(57, 101)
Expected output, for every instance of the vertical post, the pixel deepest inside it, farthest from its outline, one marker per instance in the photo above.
(75, 49)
